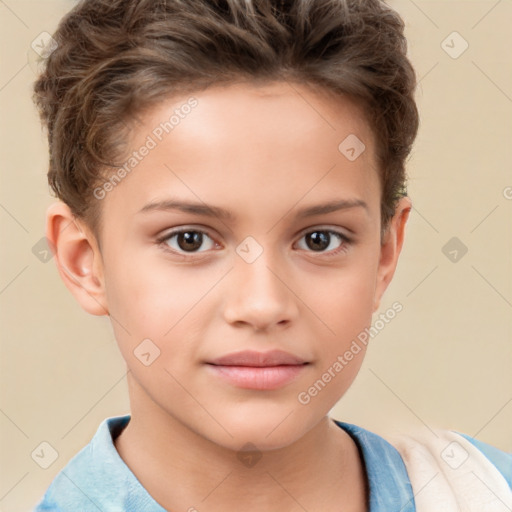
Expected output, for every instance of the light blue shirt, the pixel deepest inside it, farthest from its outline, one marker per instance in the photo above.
(96, 479)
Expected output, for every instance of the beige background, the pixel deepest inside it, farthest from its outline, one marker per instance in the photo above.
(445, 361)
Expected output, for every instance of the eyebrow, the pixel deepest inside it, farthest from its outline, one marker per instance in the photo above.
(216, 211)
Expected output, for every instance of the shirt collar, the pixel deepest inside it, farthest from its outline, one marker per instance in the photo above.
(389, 485)
(114, 481)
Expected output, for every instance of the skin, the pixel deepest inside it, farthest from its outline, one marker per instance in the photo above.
(263, 152)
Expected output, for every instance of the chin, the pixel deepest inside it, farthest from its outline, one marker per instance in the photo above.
(265, 428)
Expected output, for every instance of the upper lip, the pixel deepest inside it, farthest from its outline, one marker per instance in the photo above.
(258, 359)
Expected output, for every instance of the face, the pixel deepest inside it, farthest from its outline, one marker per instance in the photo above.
(240, 259)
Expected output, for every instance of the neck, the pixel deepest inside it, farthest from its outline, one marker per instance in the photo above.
(320, 470)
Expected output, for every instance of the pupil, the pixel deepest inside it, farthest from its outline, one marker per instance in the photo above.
(192, 240)
(319, 239)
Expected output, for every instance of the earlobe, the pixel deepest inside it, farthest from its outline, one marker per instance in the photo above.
(78, 258)
(391, 248)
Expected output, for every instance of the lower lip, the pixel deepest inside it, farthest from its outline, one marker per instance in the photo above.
(262, 378)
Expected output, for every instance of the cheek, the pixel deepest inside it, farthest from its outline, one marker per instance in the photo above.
(141, 289)
(346, 309)
(344, 299)
(157, 301)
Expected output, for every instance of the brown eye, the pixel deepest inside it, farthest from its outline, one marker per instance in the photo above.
(318, 240)
(324, 241)
(187, 240)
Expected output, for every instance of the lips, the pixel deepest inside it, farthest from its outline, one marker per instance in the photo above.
(258, 359)
(258, 370)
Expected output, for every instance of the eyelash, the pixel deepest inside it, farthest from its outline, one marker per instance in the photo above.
(161, 241)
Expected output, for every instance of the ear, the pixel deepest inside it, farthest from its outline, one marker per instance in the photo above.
(390, 249)
(78, 258)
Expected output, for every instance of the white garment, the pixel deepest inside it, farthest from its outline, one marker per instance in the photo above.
(449, 474)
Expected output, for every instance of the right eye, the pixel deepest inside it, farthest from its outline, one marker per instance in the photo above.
(185, 241)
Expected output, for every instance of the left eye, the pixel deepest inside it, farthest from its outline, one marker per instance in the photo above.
(324, 240)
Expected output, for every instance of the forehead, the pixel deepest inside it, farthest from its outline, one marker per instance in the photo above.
(282, 107)
(245, 143)
(283, 113)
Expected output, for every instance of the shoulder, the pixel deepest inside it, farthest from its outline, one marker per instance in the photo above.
(456, 469)
(96, 478)
(500, 459)
(425, 470)
(63, 491)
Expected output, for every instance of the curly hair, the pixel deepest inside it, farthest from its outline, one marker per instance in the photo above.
(116, 58)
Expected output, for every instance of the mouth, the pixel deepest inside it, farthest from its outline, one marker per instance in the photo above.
(258, 370)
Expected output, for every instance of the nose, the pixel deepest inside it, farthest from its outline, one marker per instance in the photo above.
(260, 295)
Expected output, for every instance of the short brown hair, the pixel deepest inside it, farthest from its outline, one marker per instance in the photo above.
(115, 58)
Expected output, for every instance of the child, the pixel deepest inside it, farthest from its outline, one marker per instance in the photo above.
(271, 137)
